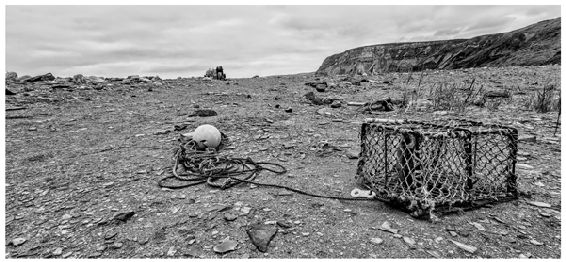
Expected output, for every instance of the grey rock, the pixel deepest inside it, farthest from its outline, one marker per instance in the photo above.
(226, 245)
(18, 241)
(124, 216)
(261, 235)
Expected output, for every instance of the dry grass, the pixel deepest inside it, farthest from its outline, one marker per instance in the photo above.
(546, 100)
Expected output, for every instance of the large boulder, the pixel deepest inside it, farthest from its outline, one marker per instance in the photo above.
(11, 76)
(79, 79)
(23, 78)
(40, 78)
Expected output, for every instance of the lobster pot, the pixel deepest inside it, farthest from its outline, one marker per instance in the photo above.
(441, 166)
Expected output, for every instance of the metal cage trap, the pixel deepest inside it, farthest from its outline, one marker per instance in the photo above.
(430, 168)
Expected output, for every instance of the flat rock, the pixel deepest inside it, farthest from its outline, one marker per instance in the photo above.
(58, 251)
(230, 216)
(261, 235)
(527, 138)
(539, 204)
(467, 248)
(525, 166)
(18, 241)
(352, 154)
(478, 226)
(386, 226)
(124, 216)
(409, 241)
(284, 224)
(193, 251)
(226, 245)
(110, 234)
(376, 241)
(536, 243)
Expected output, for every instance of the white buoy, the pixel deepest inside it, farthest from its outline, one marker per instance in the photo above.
(207, 136)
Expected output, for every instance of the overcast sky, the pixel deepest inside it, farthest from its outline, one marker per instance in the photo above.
(172, 41)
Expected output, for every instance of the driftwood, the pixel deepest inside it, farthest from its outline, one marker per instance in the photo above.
(383, 105)
(16, 108)
(496, 94)
(319, 101)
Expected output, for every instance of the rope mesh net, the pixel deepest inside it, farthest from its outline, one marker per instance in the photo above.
(438, 167)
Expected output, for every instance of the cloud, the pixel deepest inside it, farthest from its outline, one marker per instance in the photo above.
(247, 40)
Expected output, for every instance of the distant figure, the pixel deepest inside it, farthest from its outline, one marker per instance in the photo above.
(217, 73)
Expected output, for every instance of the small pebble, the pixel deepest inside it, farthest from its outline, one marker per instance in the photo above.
(376, 240)
(58, 251)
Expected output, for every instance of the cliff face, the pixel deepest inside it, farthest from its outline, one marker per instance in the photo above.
(537, 44)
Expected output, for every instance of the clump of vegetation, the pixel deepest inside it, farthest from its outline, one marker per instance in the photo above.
(545, 100)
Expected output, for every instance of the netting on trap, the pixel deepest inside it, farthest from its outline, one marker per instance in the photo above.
(438, 167)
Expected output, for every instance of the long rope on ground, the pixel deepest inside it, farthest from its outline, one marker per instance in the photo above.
(195, 167)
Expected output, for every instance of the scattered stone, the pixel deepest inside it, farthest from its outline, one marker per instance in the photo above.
(123, 217)
(227, 245)
(18, 241)
(376, 241)
(9, 93)
(204, 113)
(284, 224)
(58, 251)
(433, 253)
(68, 254)
(261, 235)
(336, 104)
(386, 226)
(171, 252)
(524, 166)
(477, 225)
(117, 245)
(467, 248)
(321, 87)
(440, 113)
(246, 210)
(193, 251)
(409, 241)
(539, 204)
(527, 138)
(95, 255)
(536, 243)
(230, 216)
(352, 154)
(110, 234)
(397, 235)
